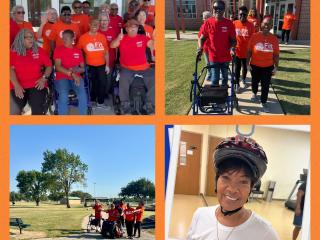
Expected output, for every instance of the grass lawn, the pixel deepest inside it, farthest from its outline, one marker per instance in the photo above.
(53, 219)
(291, 83)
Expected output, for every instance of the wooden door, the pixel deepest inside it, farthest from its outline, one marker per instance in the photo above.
(188, 166)
(210, 180)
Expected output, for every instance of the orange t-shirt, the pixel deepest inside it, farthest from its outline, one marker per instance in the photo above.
(57, 30)
(82, 20)
(288, 21)
(94, 47)
(149, 31)
(256, 23)
(243, 33)
(151, 12)
(263, 48)
(47, 28)
(139, 212)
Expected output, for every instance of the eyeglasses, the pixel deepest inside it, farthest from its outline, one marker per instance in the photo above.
(66, 14)
(28, 37)
(114, 8)
(243, 14)
(77, 7)
(22, 12)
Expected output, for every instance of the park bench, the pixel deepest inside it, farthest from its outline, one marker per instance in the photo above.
(17, 222)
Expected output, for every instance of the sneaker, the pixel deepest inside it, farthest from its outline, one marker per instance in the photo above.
(254, 97)
(265, 107)
(106, 107)
(286, 43)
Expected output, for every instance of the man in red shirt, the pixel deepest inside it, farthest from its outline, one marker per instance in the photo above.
(221, 34)
(97, 211)
(129, 216)
(138, 213)
(86, 8)
(288, 22)
(244, 30)
(47, 22)
(79, 18)
(133, 61)
(116, 22)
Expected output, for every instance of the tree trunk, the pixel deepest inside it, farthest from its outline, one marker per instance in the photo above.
(37, 202)
(67, 197)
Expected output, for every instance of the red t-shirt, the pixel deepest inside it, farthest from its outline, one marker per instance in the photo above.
(219, 34)
(244, 32)
(27, 25)
(97, 211)
(133, 52)
(149, 31)
(129, 214)
(47, 28)
(288, 21)
(82, 20)
(14, 29)
(206, 43)
(28, 68)
(255, 21)
(151, 12)
(263, 48)
(113, 214)
(70, 57)
(58, 28)
(110, 35)
(116, 22)
(139, 212)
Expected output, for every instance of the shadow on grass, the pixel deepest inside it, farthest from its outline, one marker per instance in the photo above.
(287, 51)
(291, 70)
(295, 109)
(286, 83)
(295, 59)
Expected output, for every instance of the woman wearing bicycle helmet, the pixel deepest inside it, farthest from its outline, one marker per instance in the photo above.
(239, 163)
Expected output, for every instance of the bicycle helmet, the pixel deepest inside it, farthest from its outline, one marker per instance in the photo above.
(245, 149)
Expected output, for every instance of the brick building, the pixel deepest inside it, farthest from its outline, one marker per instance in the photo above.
(191, 10)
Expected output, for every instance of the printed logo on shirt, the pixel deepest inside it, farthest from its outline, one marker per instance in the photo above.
(224, 29)
(35, 55)
(264, 47)
(242, 32)
(94, 47)
(76, 55)
(109, 38)
(76, 22)
(47, 33)
(139, 44)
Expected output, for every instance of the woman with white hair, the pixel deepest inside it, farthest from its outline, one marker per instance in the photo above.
(18, 16)
(28, 80)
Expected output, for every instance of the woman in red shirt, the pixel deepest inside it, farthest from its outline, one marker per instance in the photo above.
(129, 216)
(28, 81)
(254, 19)
(263, 60)
(69, 64)
(133, 61)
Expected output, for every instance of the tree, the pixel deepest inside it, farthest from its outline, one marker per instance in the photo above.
(65, 168)
(81, 195)
(33, 184)
(141, 188)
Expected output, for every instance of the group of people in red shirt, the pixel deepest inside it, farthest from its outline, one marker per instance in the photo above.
(254, 48)
(125, 214)
(73, 42)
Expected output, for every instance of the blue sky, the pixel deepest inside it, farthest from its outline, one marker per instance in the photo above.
(115, 154)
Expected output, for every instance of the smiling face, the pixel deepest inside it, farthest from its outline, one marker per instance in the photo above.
(142, 17)
(28, 40)
(94, 26)
(77, 8)
(233, 189)
(218, 10)
(66, 16)
(18, 14)
(266, 25)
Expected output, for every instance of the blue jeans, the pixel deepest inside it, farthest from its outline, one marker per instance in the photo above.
(63, 87)
(206, 58)
(215, 73)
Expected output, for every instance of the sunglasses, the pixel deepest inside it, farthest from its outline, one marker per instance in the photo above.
(23, 12)
(114, 8)
(243, 14)
(77, 7)
(218, 8)
(66, 14)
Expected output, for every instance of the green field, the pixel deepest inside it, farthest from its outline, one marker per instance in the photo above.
(291, 83)
(53, 219)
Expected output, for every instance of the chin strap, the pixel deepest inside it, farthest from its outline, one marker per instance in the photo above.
(229, 213)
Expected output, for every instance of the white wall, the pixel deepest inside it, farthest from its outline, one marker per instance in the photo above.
(288, 152)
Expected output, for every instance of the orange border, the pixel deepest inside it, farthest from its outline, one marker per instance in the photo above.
(159, 120)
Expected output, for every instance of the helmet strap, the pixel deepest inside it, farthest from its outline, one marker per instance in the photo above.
(229, 213)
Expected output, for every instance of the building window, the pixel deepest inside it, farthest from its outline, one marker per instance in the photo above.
(188, 8)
